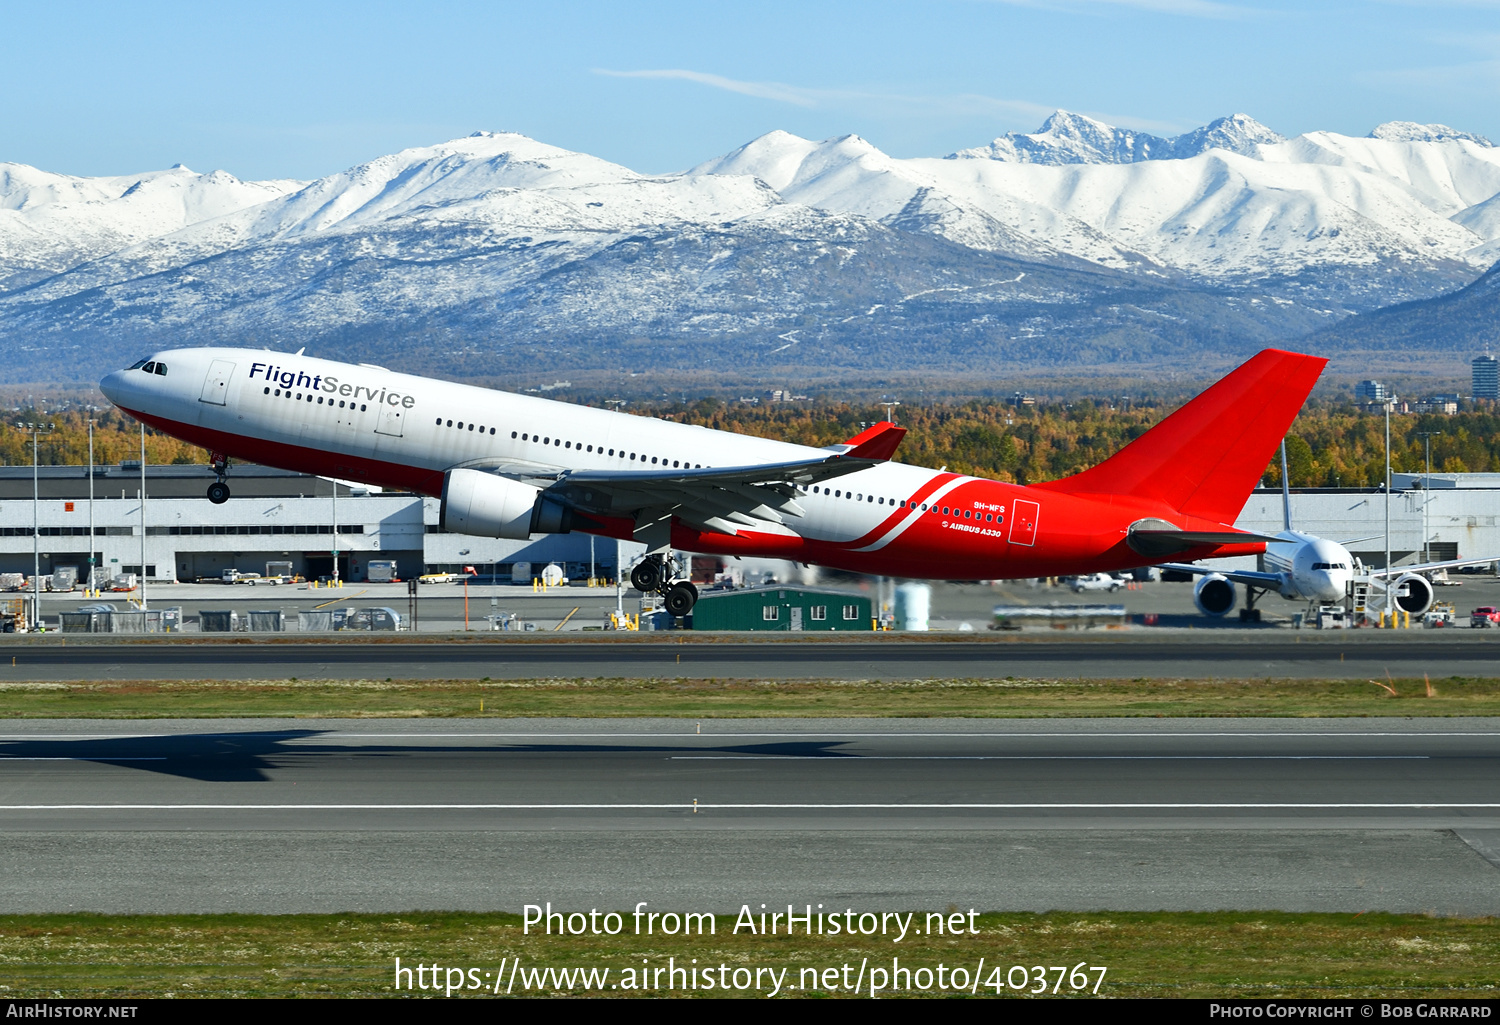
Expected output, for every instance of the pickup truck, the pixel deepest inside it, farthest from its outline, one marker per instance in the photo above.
(1485, 616)
(1096, 582)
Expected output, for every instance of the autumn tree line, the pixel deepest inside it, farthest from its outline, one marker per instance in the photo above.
(1331, 444)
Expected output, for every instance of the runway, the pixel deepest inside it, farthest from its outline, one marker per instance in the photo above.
(997, 814)
(1181, 654)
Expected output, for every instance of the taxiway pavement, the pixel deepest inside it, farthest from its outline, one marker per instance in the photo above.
(1360, 654)
(217, 815)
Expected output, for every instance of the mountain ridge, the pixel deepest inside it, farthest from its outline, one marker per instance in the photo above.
(1136, 246)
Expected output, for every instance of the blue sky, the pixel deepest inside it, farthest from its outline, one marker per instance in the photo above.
(298, 90)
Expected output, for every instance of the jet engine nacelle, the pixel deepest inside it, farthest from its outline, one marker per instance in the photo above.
(1414, 594)
(485, 505)
(1214, 595)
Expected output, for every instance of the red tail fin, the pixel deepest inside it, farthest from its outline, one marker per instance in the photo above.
(1204, 459)
(877, 442)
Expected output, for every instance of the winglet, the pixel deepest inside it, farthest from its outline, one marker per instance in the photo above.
(878, 442)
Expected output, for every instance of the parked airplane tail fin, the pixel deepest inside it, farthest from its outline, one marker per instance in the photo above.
(1204, 459)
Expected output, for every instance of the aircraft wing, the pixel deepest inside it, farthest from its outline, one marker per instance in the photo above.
(1428, 567)
(724, 498)
(1248, 577)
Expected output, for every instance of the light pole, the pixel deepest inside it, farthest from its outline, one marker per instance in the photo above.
(336, 536)
(36, 542)
(1426, 491)
(890, 409)
(1389, 401)
(619, 586)
(463, 552)
(92, 583)
(143, 517)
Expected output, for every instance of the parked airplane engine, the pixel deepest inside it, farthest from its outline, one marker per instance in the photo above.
(1214, 595)
(485, 505)
(1414, 593)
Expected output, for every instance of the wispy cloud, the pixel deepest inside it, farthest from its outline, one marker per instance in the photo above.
(1459, 76)
(801, 96)
(1183, 8)
(762, 90)
(1481, 4)
(1023, 112)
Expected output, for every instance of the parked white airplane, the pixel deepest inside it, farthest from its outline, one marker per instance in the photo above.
(1305, 567)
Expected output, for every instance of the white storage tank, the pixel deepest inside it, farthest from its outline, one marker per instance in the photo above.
(913, 606)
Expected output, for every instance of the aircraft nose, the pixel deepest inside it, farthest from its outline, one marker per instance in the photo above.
(113, 386)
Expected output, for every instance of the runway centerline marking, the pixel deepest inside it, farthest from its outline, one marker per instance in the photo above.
(328, 735)
(790, 806)
(83, 758)
(1045, 758)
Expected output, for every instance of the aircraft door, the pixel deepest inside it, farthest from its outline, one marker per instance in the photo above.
(216, 384)
(390, 421)
(1023, 520)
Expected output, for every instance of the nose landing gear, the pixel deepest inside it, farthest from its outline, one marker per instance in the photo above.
(651, 576)
(218, 491)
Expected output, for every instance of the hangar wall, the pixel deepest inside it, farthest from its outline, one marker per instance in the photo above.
(273, 516)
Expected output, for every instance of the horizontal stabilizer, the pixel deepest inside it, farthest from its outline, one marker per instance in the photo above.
(1155, 543)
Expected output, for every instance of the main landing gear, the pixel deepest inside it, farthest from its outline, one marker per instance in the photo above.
(651, 576)
(218, 491)
(1250, 614)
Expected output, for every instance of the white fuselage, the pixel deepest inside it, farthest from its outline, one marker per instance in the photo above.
(1312, 568)
(370, 423)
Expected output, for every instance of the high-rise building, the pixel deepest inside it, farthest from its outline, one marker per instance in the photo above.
(1371, 392)
(1486, 377)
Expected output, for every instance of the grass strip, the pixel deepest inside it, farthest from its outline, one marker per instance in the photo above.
(1021, 698)
(1224, 954)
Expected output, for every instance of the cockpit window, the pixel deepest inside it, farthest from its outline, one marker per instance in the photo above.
(136, 365)
(161, 368)
(149, 368)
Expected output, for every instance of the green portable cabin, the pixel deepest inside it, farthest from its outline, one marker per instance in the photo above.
(781, 607)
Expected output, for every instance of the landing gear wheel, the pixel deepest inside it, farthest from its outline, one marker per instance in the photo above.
(647, 575)
(681, 597)
(218, 492)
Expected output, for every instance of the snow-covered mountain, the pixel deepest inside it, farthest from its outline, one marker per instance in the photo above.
(1108, 243)
(53, 222)
(1358, 223)
(1068, 138)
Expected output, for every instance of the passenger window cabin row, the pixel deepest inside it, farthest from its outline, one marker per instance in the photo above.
(923, 506)
(527, 436)
(280, 393)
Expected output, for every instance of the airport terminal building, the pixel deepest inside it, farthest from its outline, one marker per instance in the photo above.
(277, 516)
(273, 516)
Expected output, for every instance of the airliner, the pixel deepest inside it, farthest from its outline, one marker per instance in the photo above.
(513, 466)
(1305, 567)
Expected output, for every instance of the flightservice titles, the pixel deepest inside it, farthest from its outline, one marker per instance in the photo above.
(290, 379)
(812, 922)
(1357, 1010)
